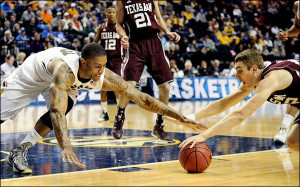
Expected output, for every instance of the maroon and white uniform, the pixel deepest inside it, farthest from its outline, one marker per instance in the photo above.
(110, 41)
(291, 94)
(145, 46)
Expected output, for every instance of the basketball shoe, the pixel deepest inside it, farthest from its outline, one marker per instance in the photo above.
(281, 135)
(104, 116)
(17, 158)
(117, 131)
(158, 131)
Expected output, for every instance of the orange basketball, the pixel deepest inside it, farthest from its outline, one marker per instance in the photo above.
(196, 159)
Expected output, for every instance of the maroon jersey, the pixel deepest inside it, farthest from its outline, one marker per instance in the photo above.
(110, 40)
(291, 94)
(139, 19)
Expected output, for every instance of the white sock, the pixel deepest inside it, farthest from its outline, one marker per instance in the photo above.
(191, 116)
(287, 120)
(104, 106)
(32, 137)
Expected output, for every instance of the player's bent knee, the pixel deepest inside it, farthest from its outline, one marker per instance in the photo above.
(165, 87)
(293, 143)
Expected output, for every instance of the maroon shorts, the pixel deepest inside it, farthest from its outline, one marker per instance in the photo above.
(114, 64)
(147, 52)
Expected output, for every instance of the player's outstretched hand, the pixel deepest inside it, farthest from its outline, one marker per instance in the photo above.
(187, 122)
(173, 36)
(283, 36)
(125, 42)
(70, 156)
(193, 139)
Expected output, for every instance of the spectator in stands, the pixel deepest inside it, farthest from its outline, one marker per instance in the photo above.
(5, 6)
(8, 67)
(66, 20)
(28, 14)
(189, 71)
(46, 15)
(47, 31)
(88, 29)
(72, 10)
(203, 70)
(46, 43)
(76, 24)
(76, 45)
(232, 70)
(22, 40)
(6, 45)
(215, 72)
(20, 59)
(32, 27)
(36, 44)
(209, 44)
(174, 69)
(59, 35)
(58, 18)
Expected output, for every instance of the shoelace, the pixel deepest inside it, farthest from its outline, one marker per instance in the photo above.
(21, 161)
(282, 130)
(120, 119)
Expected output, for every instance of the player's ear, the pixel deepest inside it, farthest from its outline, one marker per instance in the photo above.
(254, 68)
(83, 62)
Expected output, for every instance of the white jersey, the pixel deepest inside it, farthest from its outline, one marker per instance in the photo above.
(32, 78)
(71, 57)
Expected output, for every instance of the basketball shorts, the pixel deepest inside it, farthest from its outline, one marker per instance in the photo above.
(147, 52)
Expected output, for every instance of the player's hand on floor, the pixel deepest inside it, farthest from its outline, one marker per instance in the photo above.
(187, 122)
(193, 139)
(125, 42)
(69, 156)
(282, 36)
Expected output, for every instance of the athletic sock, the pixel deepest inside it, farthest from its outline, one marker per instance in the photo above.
(33, 137)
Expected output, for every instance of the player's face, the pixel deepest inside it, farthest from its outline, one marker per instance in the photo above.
(243, 74)
(96, 67)
(111, 15)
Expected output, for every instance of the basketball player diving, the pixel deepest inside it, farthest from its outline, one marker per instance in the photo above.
(57, 74)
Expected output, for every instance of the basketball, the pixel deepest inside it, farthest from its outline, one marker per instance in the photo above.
(196, 159)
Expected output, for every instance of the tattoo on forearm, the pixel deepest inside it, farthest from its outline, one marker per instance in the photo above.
(62, 81)
(60, 129)
(149, 103)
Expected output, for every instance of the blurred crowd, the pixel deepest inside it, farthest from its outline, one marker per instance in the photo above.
(212, 32)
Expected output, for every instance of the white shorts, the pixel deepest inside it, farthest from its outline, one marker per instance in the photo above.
(21, 88)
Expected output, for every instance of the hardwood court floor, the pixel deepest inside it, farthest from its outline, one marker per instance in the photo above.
(243, 156)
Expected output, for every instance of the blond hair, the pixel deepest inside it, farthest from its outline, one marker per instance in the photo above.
(250, 57)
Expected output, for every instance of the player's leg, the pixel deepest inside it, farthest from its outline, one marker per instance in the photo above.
(284, 127)
(117, 95)
(104, 114)
(158, 131)
(132, 70)
(117, 130)
(17, 158)
(293, 136)
(160, 71)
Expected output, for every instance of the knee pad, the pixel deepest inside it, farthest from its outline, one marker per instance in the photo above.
(46, 119)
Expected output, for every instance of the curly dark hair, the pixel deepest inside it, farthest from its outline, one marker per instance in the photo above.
(92, 50)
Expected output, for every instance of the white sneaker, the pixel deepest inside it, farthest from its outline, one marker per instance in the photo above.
(281, 135)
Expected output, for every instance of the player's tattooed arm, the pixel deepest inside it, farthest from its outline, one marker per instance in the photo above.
(114, 82)
(63, 78)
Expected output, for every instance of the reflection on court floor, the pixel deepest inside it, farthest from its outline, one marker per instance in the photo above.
(95, 147)
(98, 149)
